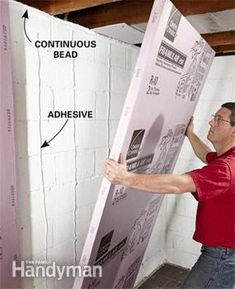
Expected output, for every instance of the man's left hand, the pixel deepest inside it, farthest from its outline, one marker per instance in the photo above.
(116, 172)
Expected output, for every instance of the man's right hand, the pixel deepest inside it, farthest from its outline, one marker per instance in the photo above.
(190, 127)
(199, 147)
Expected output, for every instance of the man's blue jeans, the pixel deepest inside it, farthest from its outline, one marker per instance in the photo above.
(215, 269)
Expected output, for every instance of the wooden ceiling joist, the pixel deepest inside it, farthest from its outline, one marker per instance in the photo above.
(55, 7)
(187, 7)
(192, 7)
(224, 49)
(221, 41)
(136, 11)
(220, 38)
(128, 11)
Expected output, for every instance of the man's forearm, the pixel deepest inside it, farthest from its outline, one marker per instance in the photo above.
(117, 174)
(161, 184)
(199, 147)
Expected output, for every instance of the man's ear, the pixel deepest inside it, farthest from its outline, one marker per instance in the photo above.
(233, 131)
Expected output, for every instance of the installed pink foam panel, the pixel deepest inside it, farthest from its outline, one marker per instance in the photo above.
(9, 250)
(170, 73)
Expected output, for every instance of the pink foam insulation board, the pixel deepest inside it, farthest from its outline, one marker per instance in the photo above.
(9, 250)
(171, 69)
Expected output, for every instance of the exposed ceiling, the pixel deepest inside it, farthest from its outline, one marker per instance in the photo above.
(126, 19)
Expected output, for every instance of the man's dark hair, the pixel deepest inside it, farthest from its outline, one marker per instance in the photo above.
(231, 107)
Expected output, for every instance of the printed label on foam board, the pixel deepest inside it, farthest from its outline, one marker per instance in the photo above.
(9, 250)
(170, 72)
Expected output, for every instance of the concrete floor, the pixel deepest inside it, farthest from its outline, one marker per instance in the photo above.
(167, 277)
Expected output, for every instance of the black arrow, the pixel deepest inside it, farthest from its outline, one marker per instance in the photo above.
(46, 143)
(26, 16)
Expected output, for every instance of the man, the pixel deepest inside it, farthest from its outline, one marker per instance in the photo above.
(214, 188)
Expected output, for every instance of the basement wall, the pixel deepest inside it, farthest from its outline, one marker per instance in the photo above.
(58, 185)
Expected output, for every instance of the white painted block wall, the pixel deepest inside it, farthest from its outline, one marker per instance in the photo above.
(181, 210)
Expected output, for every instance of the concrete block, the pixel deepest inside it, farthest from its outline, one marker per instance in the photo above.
(48, 99)
(32, 102)
(85, 134)
(100, 133)
(33, 61)
(217, 90)
(102, 103)
(87, 191)
(102, 50)
(49, 205)
(38, 237)
(180, 206)
(61, 30)
(180, 222)
(48, 168)
(178, 242)
(64, 196)
(63, 68)
(50, 233)
(63, 231)
(59, 199)
(131, 57)
(64, 141)
(64, 99)
(85, 163)
(85, 51)
(190, 205)
(222, 68)
(65, 167)
(83, 220)
(209, 108)
(113, 124)
(91, 134)
(120, 80)
(100, 156)
(186, 152)
(118, 55)
(116, 106)
(38, 25)
(85, 100)
(101, 79)
(91, 75)
(84, 75)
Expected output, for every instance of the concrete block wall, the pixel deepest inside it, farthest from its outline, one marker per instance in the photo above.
(58, 185)
(181, 210)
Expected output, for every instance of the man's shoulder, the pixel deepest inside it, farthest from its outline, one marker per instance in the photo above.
(225, 163)
(228, 157)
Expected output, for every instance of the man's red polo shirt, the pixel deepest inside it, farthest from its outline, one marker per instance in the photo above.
(215, 184)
